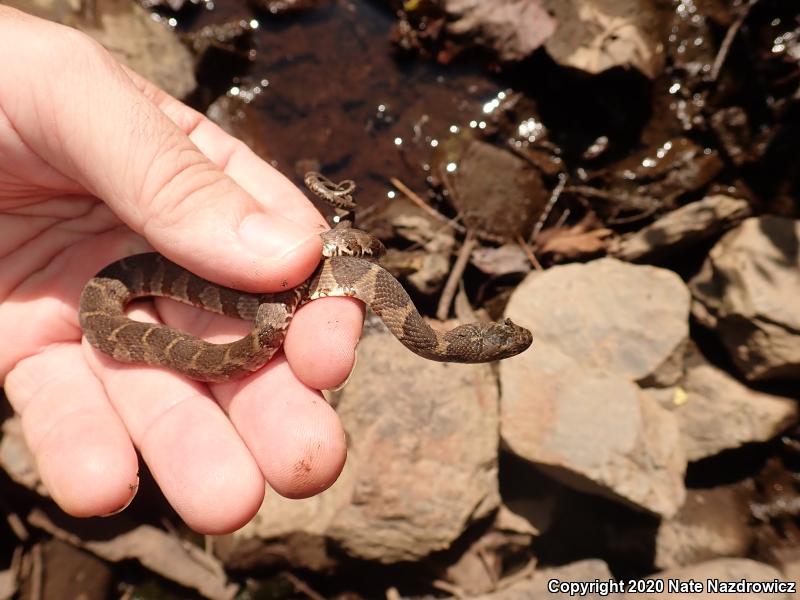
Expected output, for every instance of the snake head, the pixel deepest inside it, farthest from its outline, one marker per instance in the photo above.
(503, 340)
(484, 342)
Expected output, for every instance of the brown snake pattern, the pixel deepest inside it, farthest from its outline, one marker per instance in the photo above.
(346, 270)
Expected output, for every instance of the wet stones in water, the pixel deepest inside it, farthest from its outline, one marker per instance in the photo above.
(497, 194)
(279, 7)
(652, 180)
(233, 37)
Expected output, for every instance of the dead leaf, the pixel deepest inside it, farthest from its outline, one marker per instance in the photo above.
(506, 259)
(595, 35)
(581, 240)
(513, 29)
(155, 549)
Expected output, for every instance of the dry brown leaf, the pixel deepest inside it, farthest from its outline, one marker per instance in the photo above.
(573, 242)
(156, 550)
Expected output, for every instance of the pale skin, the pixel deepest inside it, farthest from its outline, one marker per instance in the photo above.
(97, 164)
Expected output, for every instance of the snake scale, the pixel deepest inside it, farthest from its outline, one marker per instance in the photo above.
(348, 268)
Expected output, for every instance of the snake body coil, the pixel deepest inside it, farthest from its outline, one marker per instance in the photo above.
(346, 270)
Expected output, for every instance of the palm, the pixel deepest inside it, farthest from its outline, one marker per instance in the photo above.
(46, 258)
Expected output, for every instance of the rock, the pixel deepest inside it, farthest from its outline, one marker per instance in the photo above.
(479, 568)
(787, 559)
(572, 404)
(607, 331)
(427, 466)
(130, 34)
(686, 226)
(655, 177)
(546, 583)
(728, 571)
(711, 523)
(747, 292)
(595, 35)
(281, 7)
(512, 29)
(70, 573)
(284, 520)
(497, 194)
(718, 413)
(422, 462)
(146, 45)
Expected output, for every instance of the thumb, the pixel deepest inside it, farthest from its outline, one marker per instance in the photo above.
(84, 116)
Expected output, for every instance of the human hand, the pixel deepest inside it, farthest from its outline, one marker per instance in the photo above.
(97, 164)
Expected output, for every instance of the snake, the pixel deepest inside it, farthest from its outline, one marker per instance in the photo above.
(348, 267)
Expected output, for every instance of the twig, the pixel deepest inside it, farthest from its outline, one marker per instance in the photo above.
(17, 526)
(17, 565)
(529, 253)
(451, 589)
(551, 202)
(725, 46)
(301, 586)
(462, 308)
(409, 193)
(487, 565)
(37, 573)
(648, 212)
(456, 272)
(127, 592)
(590, 192)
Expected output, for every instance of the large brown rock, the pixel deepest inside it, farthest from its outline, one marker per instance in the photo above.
(684, 227)
(422, 461)
(130, 33)
(717, 412)
(748, 291)
(572, 405)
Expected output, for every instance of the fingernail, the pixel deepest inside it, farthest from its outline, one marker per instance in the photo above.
(134, 488)
(350, 375)
(272, 236)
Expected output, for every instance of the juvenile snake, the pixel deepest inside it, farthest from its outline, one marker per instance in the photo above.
(347, 269)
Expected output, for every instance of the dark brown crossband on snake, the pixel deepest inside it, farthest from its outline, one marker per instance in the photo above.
(347, 269)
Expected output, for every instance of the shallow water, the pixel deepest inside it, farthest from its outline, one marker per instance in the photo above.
(334, 93)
